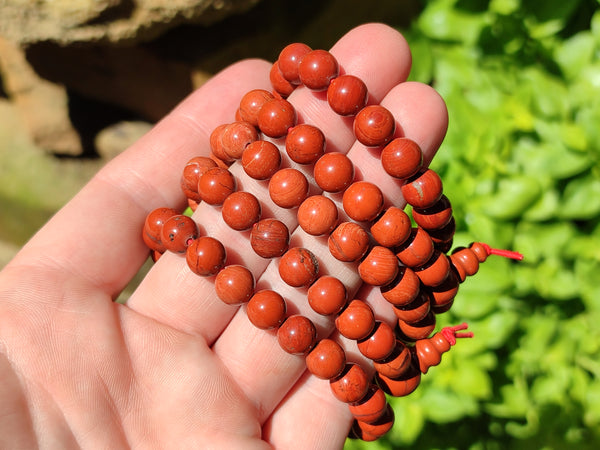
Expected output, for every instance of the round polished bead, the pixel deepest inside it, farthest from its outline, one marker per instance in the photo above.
(347, 95)
(396, 363)
(236, 137)
(215, 185)
(443, 294)
(297, 335)
(153, 226)
(251, 103)
(289, 59)
(404, 385)
(327, 295)
(317, 68)
(216, 144)
(392, 228)
(298, 267)
(371, 407)
(234, 284)
(356, 321)
(351, 385)
(276, 117)
(434, 217)
(192, 172)
(266, 309)
(261, 159)
(326, 360)
(418, 330)
(369, 432)
(305, 144)
(348, 242)
(423, 190)
(333, 172)
(288, 188)
(402, 158)
(435, 271)
(404, 289)
(417, 249)
(206, 256)
(282, 86)
(269, 238)
(241, 210)
(380, 343)
(374, 126)
(362, 201)
(415, 310)
(379, 267)
(178, 232)
(317, 215)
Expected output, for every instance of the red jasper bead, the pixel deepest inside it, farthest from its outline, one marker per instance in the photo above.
(215, 185)
(266, 309)
(415, 310)
(404, 385)
(317, 215)
(423, 190)
(444, 293)
(289, 59)
(371, 407)
(434, 217)
(351, 385)
(236, 137)
(443, 237)
(429, 351)
(397, 363)
(465, 262)
(356, 321)
(305, 144)
(206, 256)
(261, 159)
(192, 172)
(282, 86)
(333, 172)
(417, 249)
(374, 126)
(402, 158)
(392, 228)
(404, 289)
(380, 343)
(178, 232)
(241, 210)
(234, 284)
(347, 95)
(435, 271)
(326, 360)
(298, 267)
(369, 432)
(317, 68)
(418, 330)
(153, 226)
(348, 242)
(363, 201)
(276, 117)
(269, 238)
(288, 188)
(251, 103)
(297, 335)
(379, 267)
(216, 144)
(327, 295)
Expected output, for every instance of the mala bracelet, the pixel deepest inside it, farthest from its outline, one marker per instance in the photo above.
(409, 264)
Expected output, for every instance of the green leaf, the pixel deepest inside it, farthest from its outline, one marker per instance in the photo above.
(547, 240)
(575, 53)
(581, 198)
(441, 21)
(512, 197)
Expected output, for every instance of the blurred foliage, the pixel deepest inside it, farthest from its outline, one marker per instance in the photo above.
(520, 165)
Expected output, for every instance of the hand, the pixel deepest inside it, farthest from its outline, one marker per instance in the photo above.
(175, 367)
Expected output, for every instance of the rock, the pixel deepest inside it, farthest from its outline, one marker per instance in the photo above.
(114, 139)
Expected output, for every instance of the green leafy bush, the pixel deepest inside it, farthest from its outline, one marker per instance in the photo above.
(520, 165)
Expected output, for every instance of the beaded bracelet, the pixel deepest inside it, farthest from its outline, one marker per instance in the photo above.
(409, 264)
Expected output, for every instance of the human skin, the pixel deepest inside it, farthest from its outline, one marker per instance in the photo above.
(174, 366)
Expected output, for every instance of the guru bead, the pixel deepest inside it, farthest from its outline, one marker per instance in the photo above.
(178, 233)
(374, 126)
(317, 68)
(362, 201)
(288, 188)
(429, 351)
(298, 267)
(289, 59)
(206, 256)
(215, 185)
(423, 190)
(326, 360)
(402, 158)
(276, 117)
(234, 284)
(251, 103)
(241, 210)
(392, 228)
(333, 172)
(269, 238)
(351, 385)
(327, 295)
(153, 225)
(380, 343)
(305, 144)
(261, 159)
(348, 242)
(404, 289)
(371, 407)
(379, 267)
(317, 215)
(297, 335)
(347, 95)
(356, 321)
(266, 309)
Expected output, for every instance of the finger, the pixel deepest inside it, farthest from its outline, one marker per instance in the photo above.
(97, 235)
(241, 345)
(171, 293)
